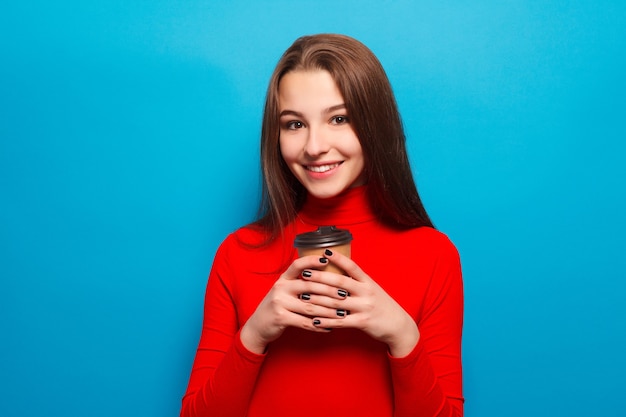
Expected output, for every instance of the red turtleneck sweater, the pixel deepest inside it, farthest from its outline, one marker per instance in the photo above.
(344, 372)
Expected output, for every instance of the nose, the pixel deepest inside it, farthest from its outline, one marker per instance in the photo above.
(316, 143)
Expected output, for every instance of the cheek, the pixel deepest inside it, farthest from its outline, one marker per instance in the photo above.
(287, 150)
(354, 148)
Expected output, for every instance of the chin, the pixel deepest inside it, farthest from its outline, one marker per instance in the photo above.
(325, 192)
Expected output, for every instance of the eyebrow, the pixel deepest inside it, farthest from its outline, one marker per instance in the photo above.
(298, 114)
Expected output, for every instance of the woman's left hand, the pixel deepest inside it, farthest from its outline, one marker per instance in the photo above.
(367, 307)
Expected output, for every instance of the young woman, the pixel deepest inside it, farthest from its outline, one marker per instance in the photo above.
(282, 336)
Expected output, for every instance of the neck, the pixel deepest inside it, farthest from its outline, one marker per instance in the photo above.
(349, 207)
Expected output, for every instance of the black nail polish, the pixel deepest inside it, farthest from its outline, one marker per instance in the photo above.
(305, 296)
(328, 328)
(316, 322)
(342, 293)
(306, 274)
(323, 260)
(328, 252)
(341, 313)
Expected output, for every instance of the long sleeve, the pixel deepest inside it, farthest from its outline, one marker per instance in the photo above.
(428, 381)
(224, 371)
(343, 372)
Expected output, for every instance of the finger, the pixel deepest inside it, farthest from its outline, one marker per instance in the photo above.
(342, 286)
(299, 264)
(333, 323)
(293, 319)
(348, 265)
(315, 325)
(314, 282)
(327, 302)
(295, 287)
(305, 307)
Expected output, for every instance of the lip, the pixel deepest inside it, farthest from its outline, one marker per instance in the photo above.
(320, 170)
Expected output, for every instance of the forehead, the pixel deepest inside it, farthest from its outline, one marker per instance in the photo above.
(308, 89)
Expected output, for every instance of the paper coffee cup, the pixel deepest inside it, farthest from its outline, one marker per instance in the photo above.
(325, 237)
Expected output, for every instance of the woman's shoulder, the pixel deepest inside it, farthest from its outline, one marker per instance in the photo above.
(245, 237)
(237, 245)
(249, 249)
(251, 240)
(431, 235)
(431, 240)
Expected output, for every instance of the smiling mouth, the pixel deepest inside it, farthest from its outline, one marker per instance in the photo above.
(322, 168)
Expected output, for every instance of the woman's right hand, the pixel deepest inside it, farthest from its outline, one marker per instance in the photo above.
(287, 304)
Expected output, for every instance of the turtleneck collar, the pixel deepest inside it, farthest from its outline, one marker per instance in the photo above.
(349, 207)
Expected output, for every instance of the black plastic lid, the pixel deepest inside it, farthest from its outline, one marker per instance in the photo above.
(323, 237)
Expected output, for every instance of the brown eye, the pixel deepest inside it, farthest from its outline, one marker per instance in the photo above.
(293, 125)
(338, 120)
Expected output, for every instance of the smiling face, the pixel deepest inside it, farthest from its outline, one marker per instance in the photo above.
(316, 139)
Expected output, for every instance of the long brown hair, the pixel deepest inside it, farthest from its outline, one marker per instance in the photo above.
(375, 119)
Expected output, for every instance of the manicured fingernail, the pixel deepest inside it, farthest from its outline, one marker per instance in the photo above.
(305, 296)
(328, 252)
(342, 293)
(341, 313)
(306, 274)
(323, 260)
(316, 322)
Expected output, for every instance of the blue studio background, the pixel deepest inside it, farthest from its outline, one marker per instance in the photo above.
(129, 146)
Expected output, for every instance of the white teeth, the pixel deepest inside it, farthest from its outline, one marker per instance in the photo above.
(321, 168)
